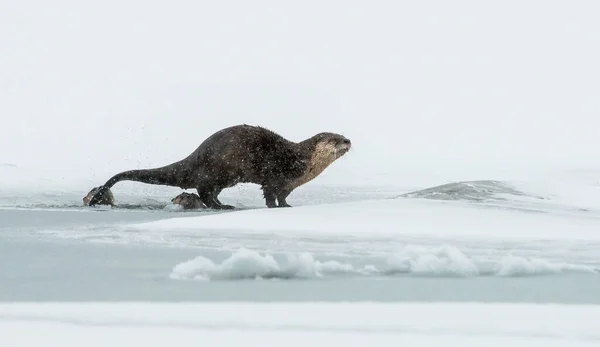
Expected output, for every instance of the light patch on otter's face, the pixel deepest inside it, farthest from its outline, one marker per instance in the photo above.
(182, 198)
(324, 153)
(342, 147)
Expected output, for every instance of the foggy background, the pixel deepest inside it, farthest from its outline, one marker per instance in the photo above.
(114, 85)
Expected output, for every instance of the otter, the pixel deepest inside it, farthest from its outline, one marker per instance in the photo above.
(243, 154)
(188, 201)
(106, 199)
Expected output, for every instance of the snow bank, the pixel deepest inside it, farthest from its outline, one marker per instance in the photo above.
(350, 324)
(250, 264)
(392, 218)
(421, 261)
(450, 261)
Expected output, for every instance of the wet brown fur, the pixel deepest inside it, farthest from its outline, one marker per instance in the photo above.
(243, 154)
(189, 201)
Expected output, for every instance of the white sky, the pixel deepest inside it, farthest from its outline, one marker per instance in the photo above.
(127, 84)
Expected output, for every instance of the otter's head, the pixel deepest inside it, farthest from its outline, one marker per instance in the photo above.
(177, 200)
(106, 198)
(331, 145)
(188, 201)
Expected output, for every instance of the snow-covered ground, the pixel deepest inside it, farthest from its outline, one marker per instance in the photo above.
(317, 324)
(474, 171)
(475, 228)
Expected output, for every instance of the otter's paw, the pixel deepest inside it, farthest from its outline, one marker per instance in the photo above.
(283, 203)
(221, 207)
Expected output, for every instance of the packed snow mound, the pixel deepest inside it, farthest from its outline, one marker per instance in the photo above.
(410, 260)
(468, 190)
(248, 264)
(388, 218)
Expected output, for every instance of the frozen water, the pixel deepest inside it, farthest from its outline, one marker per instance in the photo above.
(490, 230)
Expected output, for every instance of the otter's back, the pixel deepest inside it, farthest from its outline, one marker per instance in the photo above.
(247, 153)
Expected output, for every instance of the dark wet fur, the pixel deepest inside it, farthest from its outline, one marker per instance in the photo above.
(237, 154)
(106, 198)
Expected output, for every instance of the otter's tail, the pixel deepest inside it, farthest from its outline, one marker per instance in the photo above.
(170, 175)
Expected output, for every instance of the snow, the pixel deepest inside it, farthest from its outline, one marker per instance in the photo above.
(250, 264)
(278, 324)
(464, 229)
(534, 227)
(421, 261)
(391, 217)
(428, 95)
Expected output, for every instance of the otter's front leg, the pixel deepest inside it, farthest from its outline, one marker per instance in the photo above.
(281, 196)
(269, 195)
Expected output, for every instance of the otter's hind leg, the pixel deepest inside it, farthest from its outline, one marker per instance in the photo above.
(208, 199)
(208, 196)
(215, 197)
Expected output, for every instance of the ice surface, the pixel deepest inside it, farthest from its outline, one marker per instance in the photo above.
(320, 324)
(461, 229)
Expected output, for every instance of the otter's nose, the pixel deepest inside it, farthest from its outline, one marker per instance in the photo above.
(347, 142)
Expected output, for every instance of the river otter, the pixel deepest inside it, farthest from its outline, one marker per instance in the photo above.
(188, 201)
(243, 154)
(106, 199)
